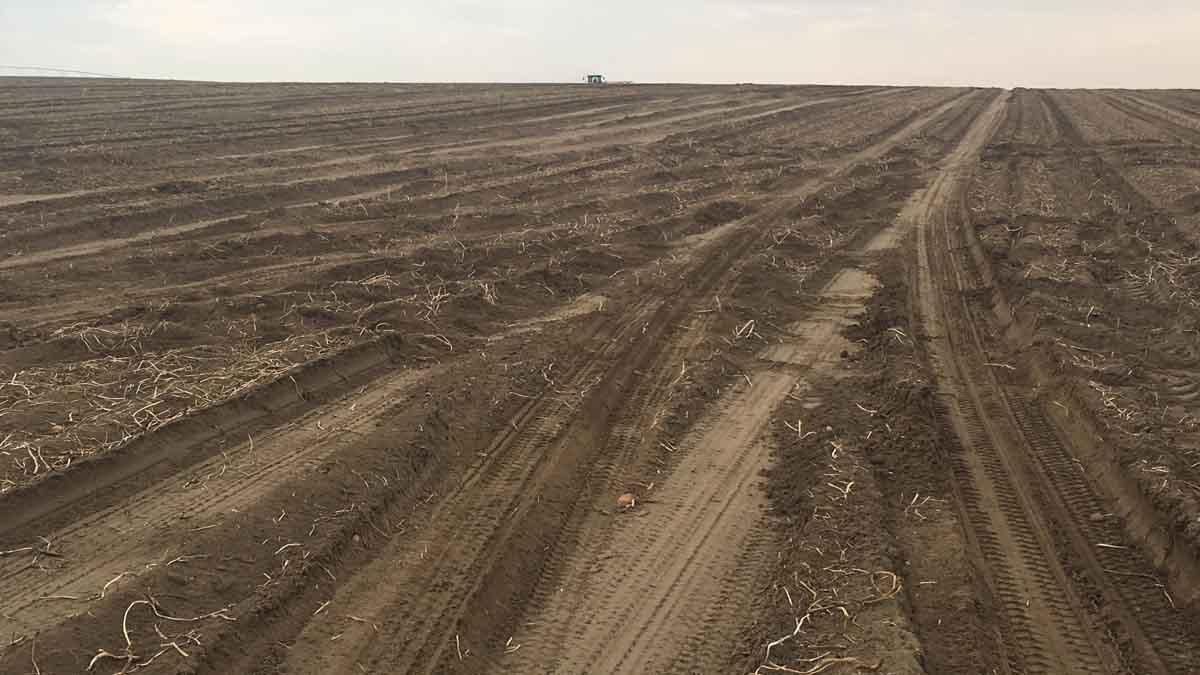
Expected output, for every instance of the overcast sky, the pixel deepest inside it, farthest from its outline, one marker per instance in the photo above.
(1069, 43)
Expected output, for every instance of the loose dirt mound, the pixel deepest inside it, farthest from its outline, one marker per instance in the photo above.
(719, 213)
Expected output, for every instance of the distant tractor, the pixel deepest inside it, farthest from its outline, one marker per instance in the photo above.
(595, 79)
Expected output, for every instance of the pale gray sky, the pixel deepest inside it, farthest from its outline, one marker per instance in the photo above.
(1069, 43)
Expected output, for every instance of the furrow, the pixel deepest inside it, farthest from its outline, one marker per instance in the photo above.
(149, 527)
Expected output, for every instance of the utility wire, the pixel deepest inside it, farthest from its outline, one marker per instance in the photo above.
(44, 69)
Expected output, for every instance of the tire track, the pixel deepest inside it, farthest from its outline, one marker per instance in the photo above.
(1184, 129)
(525, 471)
(330, 189)
(638, 614)
(1141, 604)
(1138, 597)
(380, 147)
(585, 538)
(620, 606)
(489, 518)
(440, 573)
(606, 127)
(1043, 629)
(1028, 502)
(309, 194)
(437, 581)
(310, 124)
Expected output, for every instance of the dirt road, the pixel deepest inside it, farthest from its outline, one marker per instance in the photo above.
(350, 379)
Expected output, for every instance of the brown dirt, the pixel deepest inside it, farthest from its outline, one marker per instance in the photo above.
(349, 378)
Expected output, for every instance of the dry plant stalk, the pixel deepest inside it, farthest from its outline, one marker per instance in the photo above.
(96, 405)
(131, 658)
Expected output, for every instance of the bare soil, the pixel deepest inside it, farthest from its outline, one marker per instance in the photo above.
(352, 378)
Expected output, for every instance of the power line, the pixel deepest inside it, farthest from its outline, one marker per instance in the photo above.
(44, 69)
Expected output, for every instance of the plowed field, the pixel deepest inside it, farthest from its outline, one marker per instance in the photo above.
(637, 379)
